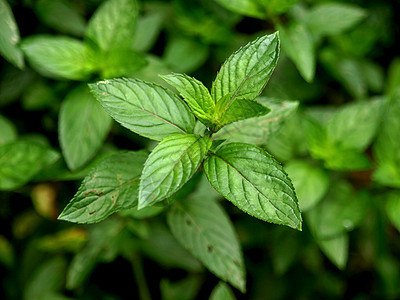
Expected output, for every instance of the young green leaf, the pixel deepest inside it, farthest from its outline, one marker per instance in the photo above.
(9, 36)
(245, 73)
(20, 161)
(113, 25)
(258, 129)
(111, 186)
(251, 179)
(299, 45)
(170, 165)
(203, 228)
(83, 126)
(333, 18)
(222, 292)
(8, 132)
(251, 8)
(146, 109)
(121, 62)
(195, 94)
(336, 249)
(58, 56)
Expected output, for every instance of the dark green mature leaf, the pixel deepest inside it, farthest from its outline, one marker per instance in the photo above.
(113, 25)
(203, 228)
(83, 126)
(111, 186)
(147, 109)
(9, 36)
(20, 161)
(336, 249)
(333, 18)
(195, 94)
(251, 179)
(251, 8)
(8, 132)
(170, 165)
(299, 45)
(61, 15)
(311, 183)
(222, 292)
(245, 73)
(257, 130)
(58, 56)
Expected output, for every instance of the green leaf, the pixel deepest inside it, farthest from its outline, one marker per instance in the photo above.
(393, 81)
(39, 96)
(336, 249)
(58, 56)
(354, 125)
(195, 94)
(222, 292)
(184, 54)
(113, 25)
(333, 18)
(122, 62)
(299, 45)
(61, 15)
(251, 179)
(251, 8)
(258, 129)
(20, 161)
(7, 253)
(278, 6)
(228, 111)
(205, 230)
(170, 165)
(387, 145)
(8, 132)
(83, 126)
(245, 73)
(9, 36)
(311, 183)
(392, 208)
(340, 211)
(185, 289)
(146, 109)
(111, 186)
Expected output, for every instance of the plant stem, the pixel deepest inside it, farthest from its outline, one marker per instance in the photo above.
(139, 275)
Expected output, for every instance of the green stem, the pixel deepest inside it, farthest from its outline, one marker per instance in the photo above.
(139, 275)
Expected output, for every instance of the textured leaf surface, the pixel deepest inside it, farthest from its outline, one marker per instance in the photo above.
(195, 94)
(8, 132)
(83, 126)
(57, 56)
(255, 182)
(111, 186)
(147, 109)
(245, 73)
(9, 36)
(333, 18)
(20, 161)
(170, 165)
(113, 24)
(298, 43)
(257, 130)
(222, 292)
(203, 228)
(311, 183)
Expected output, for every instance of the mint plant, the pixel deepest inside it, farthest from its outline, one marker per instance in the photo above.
(244, 174)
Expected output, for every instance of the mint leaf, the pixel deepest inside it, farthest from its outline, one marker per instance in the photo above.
(195, 94)
(20, 161)
(299, 45)
(203, 228)
(228, 111)
(257, 130)
(113, 25)
(251, 8)
(251, 179)
(336, 249)
(170, 165)
(333, 18)
(122, 62)
(83, 126)
(245, 73)
(111, 186)
(9, 36)
(147, 109)
(58, 56)
(8, 132)
(392, 209)
(222, 292)
(185, 289)
(278, 6)
(311, 183)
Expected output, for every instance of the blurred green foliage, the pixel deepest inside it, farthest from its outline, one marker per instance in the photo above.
(334, 125)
